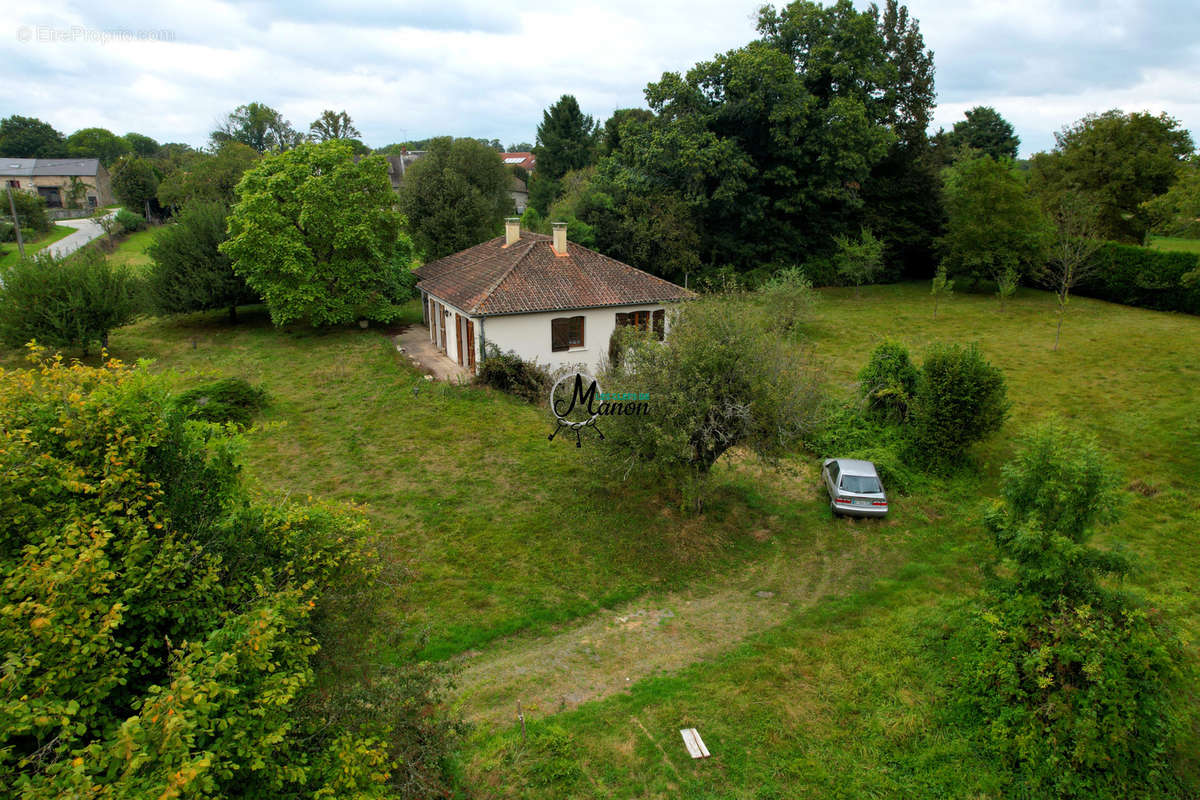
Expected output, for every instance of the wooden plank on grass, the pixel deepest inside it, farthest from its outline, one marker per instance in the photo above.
(693, 742)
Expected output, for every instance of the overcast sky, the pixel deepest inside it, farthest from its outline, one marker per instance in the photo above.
(407, 70)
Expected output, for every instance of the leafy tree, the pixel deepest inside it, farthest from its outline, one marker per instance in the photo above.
(135, 183)
(940, 288)
(31, 210)
(788, 297)
(97, 143)
(189, 272)
(455, 196)
(1076, 240)
(315, 233)
(141, 145)
(986, 131)
(960, 400)
(889, 381)
(610, 134)
(1073, 682)
(165, 635)
(721, 379)
(993, 225)
(1121, 161)
(1177, 211)
(72, 302)
(258, 126)
(29, 137)
(1006, 284)
(520, 147)
(566, 139)
(204, 176)
(333, 125)
(859, 260)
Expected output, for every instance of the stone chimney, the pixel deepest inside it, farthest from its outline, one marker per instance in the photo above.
(560, 238)
(512, 230)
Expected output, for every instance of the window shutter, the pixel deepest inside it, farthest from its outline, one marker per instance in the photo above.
(660, 324)
(559, 334)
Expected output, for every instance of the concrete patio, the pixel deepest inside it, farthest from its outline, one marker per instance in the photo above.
(414, 342)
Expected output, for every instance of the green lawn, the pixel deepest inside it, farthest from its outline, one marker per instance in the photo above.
(131, 250)
(12, 254)
(1185, 245)
(510, 543)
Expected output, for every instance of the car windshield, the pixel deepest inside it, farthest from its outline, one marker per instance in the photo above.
(861, 484)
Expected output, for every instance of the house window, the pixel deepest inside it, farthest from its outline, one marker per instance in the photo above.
(14, 184)
(646, 320)
(91, 201)
(565, 333)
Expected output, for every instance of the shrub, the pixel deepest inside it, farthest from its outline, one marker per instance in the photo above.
(226, 400)
(69, 302)
(845, 431)
(722, 379)
(1073, 682)
(165, 636)
(789, 297)
(31, 210)
(189, 272)
(960, 400)
(1141, 276)
(889, 381)
(129, 221)
(509, 373)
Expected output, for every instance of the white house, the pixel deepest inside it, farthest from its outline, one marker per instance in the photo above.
(539, 296)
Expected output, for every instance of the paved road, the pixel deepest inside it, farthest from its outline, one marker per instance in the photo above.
(85, 231)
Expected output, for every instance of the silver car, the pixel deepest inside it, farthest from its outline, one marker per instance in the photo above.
(854, 488)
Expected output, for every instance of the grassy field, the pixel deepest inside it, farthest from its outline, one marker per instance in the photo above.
(12, 254)
(810, 652)
(131, 250)
(1185, 245)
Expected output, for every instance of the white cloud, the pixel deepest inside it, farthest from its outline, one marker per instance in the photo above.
(465, 67)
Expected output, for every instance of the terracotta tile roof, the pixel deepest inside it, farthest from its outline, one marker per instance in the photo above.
(527, 276)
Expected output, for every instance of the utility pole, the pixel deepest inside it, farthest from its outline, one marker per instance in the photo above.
(12, 205)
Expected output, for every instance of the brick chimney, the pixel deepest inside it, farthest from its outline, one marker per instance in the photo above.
(560, 238)
(512, 230)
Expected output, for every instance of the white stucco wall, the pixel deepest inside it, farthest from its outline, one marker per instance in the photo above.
(528, 335)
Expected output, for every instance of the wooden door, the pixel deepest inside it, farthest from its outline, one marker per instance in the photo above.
(458, 337)
(471, 344)
(441, 321)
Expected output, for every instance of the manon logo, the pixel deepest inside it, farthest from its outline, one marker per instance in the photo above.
(575, 408)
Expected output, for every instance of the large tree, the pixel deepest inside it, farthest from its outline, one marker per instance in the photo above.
(333, 125)
(1177, 213)
(610, 134)
(207, 176)
(993, 225)
(189, 272)
(259, 126)
(986, 131)
(315, 232)
(141, 144)
(1120, 160)
(455, 196)
(28, 137)
(135, 184)
(566, 139)
(98, 143)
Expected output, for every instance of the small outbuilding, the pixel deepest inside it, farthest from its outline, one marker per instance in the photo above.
(542, 297)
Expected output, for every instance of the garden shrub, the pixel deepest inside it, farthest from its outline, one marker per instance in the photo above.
(129, 221)
(960, 400)
(226, 400)
(788, 295)
(165, 636)
(1141, 276)
(889, 381)
(1072, 682)
(31, 210)
(68, 302)
(847, 431)
(509, 373)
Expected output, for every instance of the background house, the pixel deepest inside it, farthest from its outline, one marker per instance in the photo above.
(542, 297)
(61, 182)
(525, 161)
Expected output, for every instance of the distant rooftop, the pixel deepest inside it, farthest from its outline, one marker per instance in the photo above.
(28, 167)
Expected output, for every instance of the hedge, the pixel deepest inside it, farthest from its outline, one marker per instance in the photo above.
(1140, 276)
